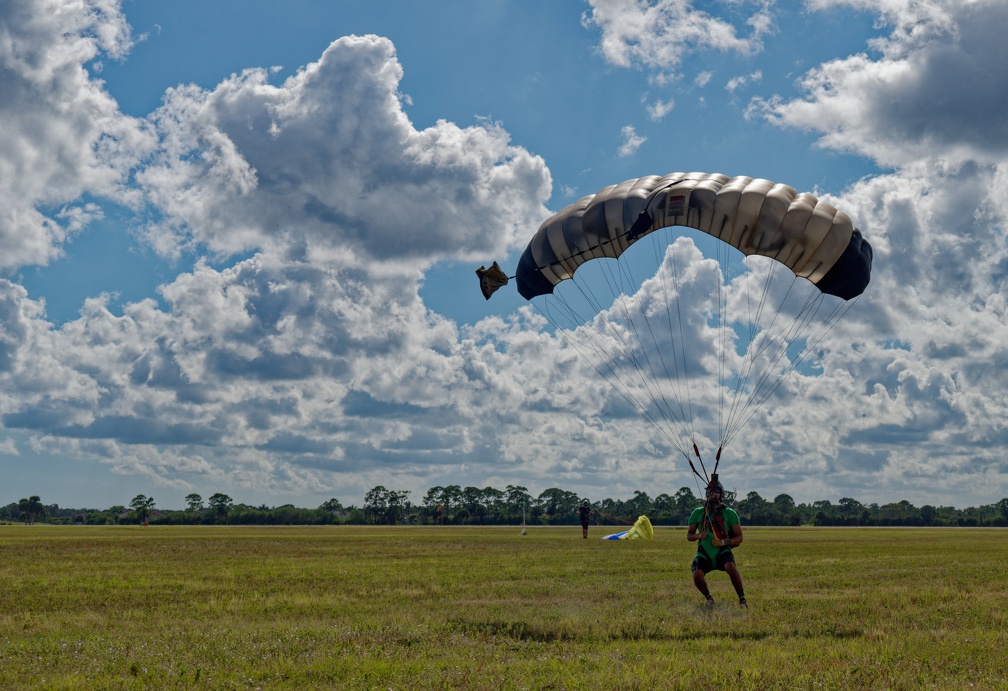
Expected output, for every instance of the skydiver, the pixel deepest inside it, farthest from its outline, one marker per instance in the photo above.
(585, 512)
(720, 530)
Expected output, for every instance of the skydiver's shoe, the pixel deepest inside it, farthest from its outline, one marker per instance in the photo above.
(742, 603)
(710, 601)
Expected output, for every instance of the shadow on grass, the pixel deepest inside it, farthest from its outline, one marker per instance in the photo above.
(539, 633)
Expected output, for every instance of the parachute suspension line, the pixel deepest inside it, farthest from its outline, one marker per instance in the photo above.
(618, 282)
(626, 349)
(683, 418)
(616, 519)
(609, 377)
(748, 405)
(623, 280)
(766, 363)
(812, 342)
(724, 282)
(743, 405)
(651, 384)
(807, 315)
(681, 381)
(595, 342)
(623, 283)
(791, 334)
(739, 403)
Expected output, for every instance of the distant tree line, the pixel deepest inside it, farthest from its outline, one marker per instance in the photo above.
(456, 505)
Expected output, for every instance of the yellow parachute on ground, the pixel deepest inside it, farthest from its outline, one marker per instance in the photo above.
(641, 530)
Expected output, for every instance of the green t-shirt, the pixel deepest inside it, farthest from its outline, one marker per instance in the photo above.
(706, 546)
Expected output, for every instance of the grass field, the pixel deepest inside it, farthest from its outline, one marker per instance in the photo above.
(486, 608)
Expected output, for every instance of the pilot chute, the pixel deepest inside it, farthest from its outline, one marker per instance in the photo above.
(491, 279)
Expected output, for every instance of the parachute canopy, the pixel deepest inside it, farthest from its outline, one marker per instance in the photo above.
(811, 237)
(691, 343)
(641, 530)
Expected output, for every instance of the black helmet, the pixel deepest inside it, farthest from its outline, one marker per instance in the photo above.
(715, 485)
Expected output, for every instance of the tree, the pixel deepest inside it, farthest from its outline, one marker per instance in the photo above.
(900, 513)
(684, 502)
(430, 503)
(851, 510)
(31, 509)
(451, 497)
(398, 504)
(194, 503)
(518, 500)
(559, 505)
(376, 503)
(1002, 509)
(785, 510)
(220, 505)
(755, 509)
(640, 504)
(825, 512)
(384, 505)
(332, 507)
(664, 508)
(142, 505)
(472, 500)
(493, 503)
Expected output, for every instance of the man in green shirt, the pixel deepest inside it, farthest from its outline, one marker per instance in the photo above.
(716, 529)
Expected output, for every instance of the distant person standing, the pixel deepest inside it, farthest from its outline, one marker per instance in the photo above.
(716, 529)
(585, 513)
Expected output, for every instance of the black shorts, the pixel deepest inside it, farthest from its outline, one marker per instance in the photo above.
(584, 523)
(703, 563)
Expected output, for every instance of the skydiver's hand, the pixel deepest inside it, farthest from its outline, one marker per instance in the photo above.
(703, 535)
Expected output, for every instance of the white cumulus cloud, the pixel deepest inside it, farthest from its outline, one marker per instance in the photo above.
(656, 34)
(63, 135)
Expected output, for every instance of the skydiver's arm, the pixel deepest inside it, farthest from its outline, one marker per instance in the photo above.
(692, 534)
(735, 536)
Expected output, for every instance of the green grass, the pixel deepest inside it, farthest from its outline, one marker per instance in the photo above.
(485, 608)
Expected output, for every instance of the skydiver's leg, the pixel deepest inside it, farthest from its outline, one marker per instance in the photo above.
(700, 580)
(734, 575)
(736, 580)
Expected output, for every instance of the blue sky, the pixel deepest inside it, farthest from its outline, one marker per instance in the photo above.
(238, 247)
